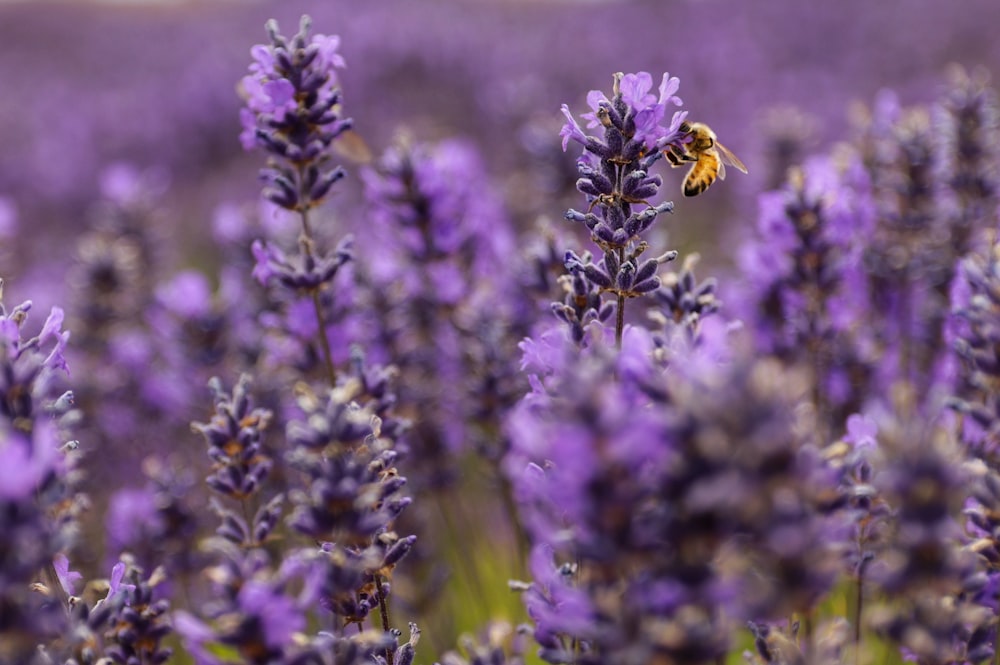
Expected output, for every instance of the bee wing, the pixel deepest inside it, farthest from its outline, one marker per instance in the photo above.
(727, 157)
(351, 146)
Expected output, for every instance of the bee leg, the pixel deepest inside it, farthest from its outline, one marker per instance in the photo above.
(603, 199)
(677, 157)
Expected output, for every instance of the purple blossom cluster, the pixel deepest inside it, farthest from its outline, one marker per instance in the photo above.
(438, 289)
(830, 434)
(615, 176)
(800, 458)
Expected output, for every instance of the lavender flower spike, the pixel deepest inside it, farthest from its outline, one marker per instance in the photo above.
(615, 177)
(293, 112)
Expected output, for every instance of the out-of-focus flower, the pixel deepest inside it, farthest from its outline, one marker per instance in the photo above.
(441, 280)
(930, 213)
(351, 498)
(929, 579)
(67, 577)
(234, 437)
(39, 505)
(967, 123)
(973, 332)
(789, 135)
(803, 290)
(500, 644)
(612, 457)
(156, 524)
(252, 610)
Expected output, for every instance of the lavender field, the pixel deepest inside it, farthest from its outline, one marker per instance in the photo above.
(433, 333)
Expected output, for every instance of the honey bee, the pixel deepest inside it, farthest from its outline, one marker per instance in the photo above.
(709, 158)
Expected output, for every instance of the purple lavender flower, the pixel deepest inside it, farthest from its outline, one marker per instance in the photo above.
(556, 606)
(683, 303)
(234, 437)
(499, 644)
(440, 299)
(119, 258)
(293, 112)
(637, 109)
(303, 272)
(255, 613)
(804, 292)
(139, 622)
(252, 610)
(39, 506)
(128, 625)
(67, 578)
(967, 122)
(645, 482)
(929, 215)
(582, 303)
(779, 645)
(929, 579)
(156, 523)
(351, 500)
(982, 533)
(789, 136)
(866, 505)
(971, 331)
(276, 613)
(614, 174)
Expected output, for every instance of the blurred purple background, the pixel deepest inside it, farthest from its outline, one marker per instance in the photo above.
(88, 85)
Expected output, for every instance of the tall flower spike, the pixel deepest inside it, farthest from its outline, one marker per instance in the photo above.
(615, 177)
(438, 283)
(803, 292)
(968, 122)
(293, 112)
(614, 171)
(908, 256)
(130, 623)
(974, 334)
(928, 578)
(38, 507)
(234, 438)
(352, 498)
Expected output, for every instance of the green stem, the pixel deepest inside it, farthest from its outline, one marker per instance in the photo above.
(331, 373)
(859, 601)
(307, 246)
(384, 611)
(249, 521)
(620, 318)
